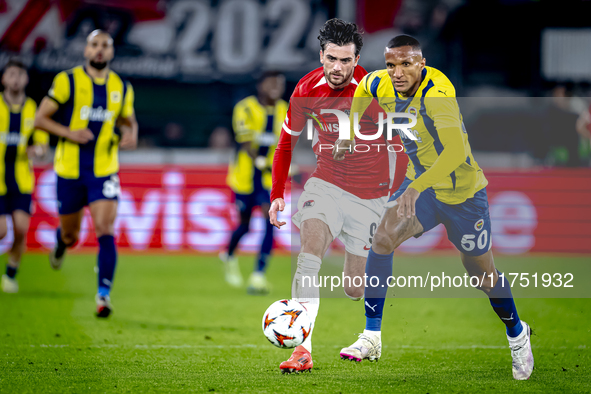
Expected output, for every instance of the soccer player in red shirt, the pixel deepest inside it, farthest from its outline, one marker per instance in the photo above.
(342, 199)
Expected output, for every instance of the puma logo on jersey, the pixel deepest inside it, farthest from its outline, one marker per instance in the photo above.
(442, 91)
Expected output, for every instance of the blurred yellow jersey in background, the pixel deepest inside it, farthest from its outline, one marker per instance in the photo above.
(17, 133)
(96, 105)
(261, 126)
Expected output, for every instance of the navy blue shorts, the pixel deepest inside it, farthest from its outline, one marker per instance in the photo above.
(246, 202)
(75, 194)
(467, 224)
(15, 200)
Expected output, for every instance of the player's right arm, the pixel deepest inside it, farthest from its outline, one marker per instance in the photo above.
(59, 94)
(361, 100)
(294, 124)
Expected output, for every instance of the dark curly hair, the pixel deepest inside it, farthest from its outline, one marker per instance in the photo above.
(339, 32)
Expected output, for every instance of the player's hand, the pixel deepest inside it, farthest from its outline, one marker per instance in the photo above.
(128, 141)
(341, 147)
(36, 152)
(261, 162)
(81, 136)
(277, 205)
(406, 203)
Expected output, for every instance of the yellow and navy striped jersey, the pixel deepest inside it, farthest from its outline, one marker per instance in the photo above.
(261, 126)
(17, 132)
(96, 105)
(454, 175)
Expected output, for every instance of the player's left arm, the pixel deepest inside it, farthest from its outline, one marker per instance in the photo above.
(446, 115)
(127, 122)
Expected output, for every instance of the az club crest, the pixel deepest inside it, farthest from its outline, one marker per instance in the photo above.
(479, 225)
(309, 203)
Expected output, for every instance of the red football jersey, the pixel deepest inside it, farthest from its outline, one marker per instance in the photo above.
(369, 172)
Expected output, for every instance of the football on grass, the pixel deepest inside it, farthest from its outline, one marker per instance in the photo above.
(286, 324)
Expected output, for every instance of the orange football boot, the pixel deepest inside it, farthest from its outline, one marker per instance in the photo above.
(300, 361)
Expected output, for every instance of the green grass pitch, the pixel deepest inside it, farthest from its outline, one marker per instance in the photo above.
(178, 327)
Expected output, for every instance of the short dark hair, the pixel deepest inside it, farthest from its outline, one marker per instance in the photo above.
(14, 62)
(339, 32)
(404, 40)
(268, 74)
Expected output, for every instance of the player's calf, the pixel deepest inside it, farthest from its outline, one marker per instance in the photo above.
(354, 293)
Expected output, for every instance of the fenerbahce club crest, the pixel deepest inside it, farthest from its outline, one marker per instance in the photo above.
(479, 224)
(309, 203)
(412, 111)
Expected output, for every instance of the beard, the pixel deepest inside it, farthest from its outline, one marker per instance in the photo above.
(345, 78)
(98, 65)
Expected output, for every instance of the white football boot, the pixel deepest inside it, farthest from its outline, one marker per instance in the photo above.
(9, 285)
(367, 347)
(232, 269)
(56, 262)
(258, 284)
(523, 358)
(103, 306)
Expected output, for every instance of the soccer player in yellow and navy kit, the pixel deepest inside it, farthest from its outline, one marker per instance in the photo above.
(443, 184)
(257, 122)
(18, 139)
(91, 103)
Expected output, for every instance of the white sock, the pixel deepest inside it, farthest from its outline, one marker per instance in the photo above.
(312, 312)
(373, 333)
(304, 290)
(519, 339)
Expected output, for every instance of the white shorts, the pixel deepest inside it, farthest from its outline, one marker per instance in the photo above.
(351, 219)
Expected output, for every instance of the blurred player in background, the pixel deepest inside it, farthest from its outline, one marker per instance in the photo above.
(257, 122)
(18, 141)
(90, 101)
(443, 184)
(341, 199)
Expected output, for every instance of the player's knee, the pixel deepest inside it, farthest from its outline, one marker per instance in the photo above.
(354, 293)
(383, 243)
(3, 232)
(70, 238)
(20, 233)
(103, 229)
